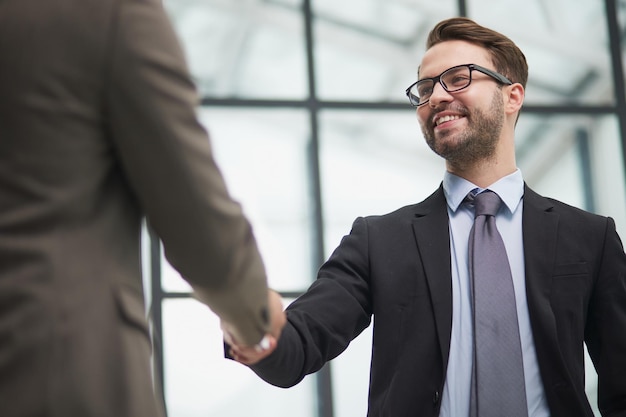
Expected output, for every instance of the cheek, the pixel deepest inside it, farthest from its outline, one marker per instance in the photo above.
(422, 116)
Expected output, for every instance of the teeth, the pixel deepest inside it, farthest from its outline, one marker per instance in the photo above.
(446, 119)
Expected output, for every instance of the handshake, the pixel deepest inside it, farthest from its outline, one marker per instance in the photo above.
(250, 355)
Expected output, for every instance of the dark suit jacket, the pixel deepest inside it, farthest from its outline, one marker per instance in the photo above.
(397, 268)
(98, 128)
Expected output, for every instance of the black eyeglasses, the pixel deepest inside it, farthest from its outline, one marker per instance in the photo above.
(452, 80)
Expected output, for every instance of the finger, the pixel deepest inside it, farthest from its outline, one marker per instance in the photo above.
(229, 339)
(250, 356)
(244, 358)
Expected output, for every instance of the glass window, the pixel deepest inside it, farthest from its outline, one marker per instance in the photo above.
(575, 159)
(607, 169)
(368, 50)
(565, 43)
(351, 375)
(264, 156)
(372, 162)
(548, 156)
(200, 382)
(243, 48)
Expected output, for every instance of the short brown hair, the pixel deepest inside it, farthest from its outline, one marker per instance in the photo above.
(506, 56)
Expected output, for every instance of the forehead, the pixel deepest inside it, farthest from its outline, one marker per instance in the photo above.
(450, 53)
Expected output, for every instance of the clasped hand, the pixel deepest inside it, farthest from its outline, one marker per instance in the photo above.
(249, 355)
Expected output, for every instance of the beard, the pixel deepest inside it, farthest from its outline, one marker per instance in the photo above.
(477, 143)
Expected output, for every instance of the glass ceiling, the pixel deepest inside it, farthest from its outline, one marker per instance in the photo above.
(368, 50)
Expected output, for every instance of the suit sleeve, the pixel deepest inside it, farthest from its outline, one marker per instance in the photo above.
(166, 155)
(606, 328)
(322, 322)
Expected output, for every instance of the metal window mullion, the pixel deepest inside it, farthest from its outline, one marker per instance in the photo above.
(323, 377)
(462, 8)
(618, 71)
(156, 307)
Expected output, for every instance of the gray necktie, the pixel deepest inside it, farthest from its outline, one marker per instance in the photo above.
(498, 374)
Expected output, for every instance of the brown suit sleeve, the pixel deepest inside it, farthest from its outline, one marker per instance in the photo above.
(167, 157)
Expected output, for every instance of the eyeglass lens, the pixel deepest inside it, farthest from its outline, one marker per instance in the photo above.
(453, 79)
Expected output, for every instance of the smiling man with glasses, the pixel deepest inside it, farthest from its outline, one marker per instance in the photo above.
(484, 294)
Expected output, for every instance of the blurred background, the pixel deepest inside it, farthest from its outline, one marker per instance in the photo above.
(305, 104)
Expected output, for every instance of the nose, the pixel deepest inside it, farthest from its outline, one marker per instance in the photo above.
(439, 95)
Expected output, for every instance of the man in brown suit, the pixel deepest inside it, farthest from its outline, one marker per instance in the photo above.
(97, 129)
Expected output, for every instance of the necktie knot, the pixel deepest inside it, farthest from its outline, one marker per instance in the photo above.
(486, 203)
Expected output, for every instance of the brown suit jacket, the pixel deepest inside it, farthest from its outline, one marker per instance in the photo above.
(97, 129)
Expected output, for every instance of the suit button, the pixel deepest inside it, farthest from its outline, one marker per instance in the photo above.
(436, 397)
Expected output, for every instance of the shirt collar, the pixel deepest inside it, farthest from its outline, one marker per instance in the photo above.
(509, 188)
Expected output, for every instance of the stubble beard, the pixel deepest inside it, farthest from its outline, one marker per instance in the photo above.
(477, 143)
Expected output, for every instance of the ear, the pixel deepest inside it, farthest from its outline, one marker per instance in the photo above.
(514, 98)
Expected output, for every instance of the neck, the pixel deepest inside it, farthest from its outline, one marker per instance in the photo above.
(483, 173)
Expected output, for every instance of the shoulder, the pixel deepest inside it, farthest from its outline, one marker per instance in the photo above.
(568, 215)
(436, 202)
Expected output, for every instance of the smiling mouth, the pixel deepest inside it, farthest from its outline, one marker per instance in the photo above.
(444, 119)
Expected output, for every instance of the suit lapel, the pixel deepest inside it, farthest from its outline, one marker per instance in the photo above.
(433, 242)
(540, 232)
(539, 227)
